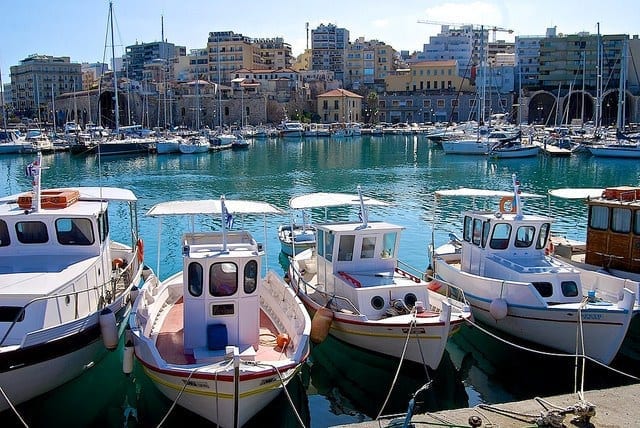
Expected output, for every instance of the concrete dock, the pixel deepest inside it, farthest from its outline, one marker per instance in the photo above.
(612, 407)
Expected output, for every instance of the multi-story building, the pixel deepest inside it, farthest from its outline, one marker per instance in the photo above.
(329, 45)
(274, 53)
(366, 62)
(466, 44)
(527, 51)
(280, 84)
(339, 105)
(426, 76)
(229, 52)
(136, 56)
(38, 78)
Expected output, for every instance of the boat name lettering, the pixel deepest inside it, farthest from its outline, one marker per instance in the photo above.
(196, 383)
(414, 330)
(268, 380)
(591, 316)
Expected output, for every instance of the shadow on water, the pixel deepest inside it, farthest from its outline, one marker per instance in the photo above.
(498, 372)
(355, 383)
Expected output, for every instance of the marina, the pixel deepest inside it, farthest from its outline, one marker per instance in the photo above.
(339, 384)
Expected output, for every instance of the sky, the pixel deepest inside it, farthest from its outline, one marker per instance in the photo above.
(78, 28)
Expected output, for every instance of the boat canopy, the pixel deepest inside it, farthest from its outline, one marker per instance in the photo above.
(468, 192)
(94, 194)
(576, 193)
(323, 200)
(212, 206)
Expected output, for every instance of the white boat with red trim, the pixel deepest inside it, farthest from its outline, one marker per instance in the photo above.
(217, 338)
(354, 285)
(64, 283)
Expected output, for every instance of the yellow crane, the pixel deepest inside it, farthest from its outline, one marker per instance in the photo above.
(493, 28)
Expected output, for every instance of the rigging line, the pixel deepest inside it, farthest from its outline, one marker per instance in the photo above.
(550, 354)
(284, 387)
(395, 377)
(13, 407)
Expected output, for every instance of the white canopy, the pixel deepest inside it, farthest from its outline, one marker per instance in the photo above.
(212, 206)
(322, 200)
(576, 193)
(92, 193)
(468, 192)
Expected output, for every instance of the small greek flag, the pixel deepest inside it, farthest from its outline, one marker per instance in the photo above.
(31, 169)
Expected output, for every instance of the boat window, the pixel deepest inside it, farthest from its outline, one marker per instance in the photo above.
(486, 228)
(543, 235)
(320, 243)
(11, 314)
(250, 276)
(468, 230)
(569, 288)
(544, 288)
(345, 250)
(32, 232)
(599, 217)
(194, 279)
(103, 225)
(621, 220)
(74, 231)
(368, 248)
(389, 243)
(636, 222)
(4, 234)
(328, 246)
(477, 231)
(524, 236)
(223, 279)
(500, 238)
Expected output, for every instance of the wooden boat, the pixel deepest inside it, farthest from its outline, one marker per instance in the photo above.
(501, 264)
(217, 338)
(354, 285)
(66, 287)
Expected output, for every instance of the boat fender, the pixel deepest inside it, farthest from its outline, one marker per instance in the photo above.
(503, 205)
(434, 285)
(320, 324)
(108, 329)
(140, 248)
(282, 341)
(498, 309)
(127, 358)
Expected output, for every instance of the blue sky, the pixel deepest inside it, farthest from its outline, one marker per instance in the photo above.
(77, 28)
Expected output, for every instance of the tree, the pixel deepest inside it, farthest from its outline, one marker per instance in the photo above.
(372, 106)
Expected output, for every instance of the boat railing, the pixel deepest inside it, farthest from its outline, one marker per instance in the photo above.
(107, 289)
(344, 303)
(445, 288)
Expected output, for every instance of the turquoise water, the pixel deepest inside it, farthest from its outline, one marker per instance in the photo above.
(340, 384)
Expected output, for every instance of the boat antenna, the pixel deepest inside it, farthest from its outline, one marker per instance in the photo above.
(516, 197)
(364, 216)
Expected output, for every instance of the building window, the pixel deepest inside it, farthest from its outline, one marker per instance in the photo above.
(440, 103)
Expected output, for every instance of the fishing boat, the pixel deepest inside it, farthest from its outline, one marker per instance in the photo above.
(66, 287)
(194, 144)
(353, 283)
(503, 265)
(295, 238)
(216, 338)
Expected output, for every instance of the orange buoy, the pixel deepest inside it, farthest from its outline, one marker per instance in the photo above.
(503, 205)
(320, 324)
(117, 263)
(282, 341)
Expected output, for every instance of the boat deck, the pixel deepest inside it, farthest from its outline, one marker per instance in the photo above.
(170, 339)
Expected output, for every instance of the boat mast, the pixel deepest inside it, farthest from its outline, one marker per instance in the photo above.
(115, 76)
(622, 88)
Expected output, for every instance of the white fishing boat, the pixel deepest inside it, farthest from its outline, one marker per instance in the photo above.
(65, 286)
(353, 283)
(512, 283)
(217, 338)
(194, 144)
(295, 238)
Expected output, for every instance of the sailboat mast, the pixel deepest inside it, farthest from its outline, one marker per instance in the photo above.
(622, 88)
(115, 75)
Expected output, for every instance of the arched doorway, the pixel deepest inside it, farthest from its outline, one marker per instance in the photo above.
(542, 109)
(107, 109)
(578, 107)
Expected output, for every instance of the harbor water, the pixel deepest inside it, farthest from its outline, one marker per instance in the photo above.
(339, 384)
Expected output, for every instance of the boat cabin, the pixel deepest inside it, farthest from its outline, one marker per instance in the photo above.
(360, 264)
(613, 229)
(512, 247)
(221, 275)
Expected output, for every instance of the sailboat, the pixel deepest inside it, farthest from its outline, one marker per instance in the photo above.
(125, 140)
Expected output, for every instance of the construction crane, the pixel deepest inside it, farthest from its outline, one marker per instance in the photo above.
(492, 28)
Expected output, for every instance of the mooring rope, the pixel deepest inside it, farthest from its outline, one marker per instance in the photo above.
(13, 408)
(284, 387)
